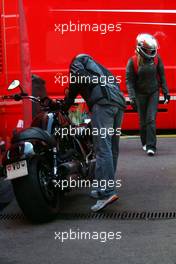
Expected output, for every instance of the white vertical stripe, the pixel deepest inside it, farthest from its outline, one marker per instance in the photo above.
(158, 11)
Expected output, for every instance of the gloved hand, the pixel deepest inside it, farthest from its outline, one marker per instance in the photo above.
(166, 98)
(48, 103)
(133, 104)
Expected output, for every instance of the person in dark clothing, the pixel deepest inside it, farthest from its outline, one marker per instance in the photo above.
(144, 77)
(102, 94)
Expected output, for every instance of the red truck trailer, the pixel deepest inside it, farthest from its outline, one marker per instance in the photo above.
(42, 37)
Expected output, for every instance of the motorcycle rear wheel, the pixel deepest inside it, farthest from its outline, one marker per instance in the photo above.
(38, 199)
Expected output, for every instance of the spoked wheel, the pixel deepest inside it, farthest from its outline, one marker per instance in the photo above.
(36, 195)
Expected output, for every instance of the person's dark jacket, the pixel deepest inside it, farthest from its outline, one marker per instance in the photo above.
(149, 78)
(90, 86)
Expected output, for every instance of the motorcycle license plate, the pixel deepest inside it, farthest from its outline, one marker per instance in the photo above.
(16, 170)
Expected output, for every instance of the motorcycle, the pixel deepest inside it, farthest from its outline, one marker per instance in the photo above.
(43, 157)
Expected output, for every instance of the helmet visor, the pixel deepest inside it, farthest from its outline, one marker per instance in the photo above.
(149, 52)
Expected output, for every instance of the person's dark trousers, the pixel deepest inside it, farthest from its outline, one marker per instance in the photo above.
(106, 145)
(147, 108)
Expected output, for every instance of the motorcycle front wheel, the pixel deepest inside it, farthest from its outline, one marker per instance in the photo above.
(35, 194)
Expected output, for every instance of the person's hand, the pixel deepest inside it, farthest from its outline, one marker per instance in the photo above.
(48, 103)
(133, 104)
(166, 98)
(45, 101)
(64, 107)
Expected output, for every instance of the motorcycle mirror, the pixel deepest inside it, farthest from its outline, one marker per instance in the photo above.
(13, 85)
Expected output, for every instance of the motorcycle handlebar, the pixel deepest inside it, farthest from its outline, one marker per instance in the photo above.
(44, 102)
(18, 97)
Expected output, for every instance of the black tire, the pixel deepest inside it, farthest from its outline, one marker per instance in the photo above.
(39, 202)
(6, 194)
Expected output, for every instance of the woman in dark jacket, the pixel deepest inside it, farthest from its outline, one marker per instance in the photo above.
(144, 76)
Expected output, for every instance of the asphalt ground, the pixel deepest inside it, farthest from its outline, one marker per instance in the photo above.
(148, 185)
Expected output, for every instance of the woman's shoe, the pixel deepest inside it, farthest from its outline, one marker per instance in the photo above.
(150, 152)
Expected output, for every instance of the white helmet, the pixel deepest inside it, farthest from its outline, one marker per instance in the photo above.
(146, 45)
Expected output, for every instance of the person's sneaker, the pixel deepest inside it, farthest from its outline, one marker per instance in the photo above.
(150, 152)
(95, 194)
(100, 204)
(144, 147)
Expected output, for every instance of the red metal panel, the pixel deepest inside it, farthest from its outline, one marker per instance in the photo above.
(10, 112)
(51, 51)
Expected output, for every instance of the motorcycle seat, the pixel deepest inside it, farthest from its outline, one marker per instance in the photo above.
(34, 133)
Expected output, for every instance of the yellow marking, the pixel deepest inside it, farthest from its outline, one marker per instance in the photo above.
(158, 136)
